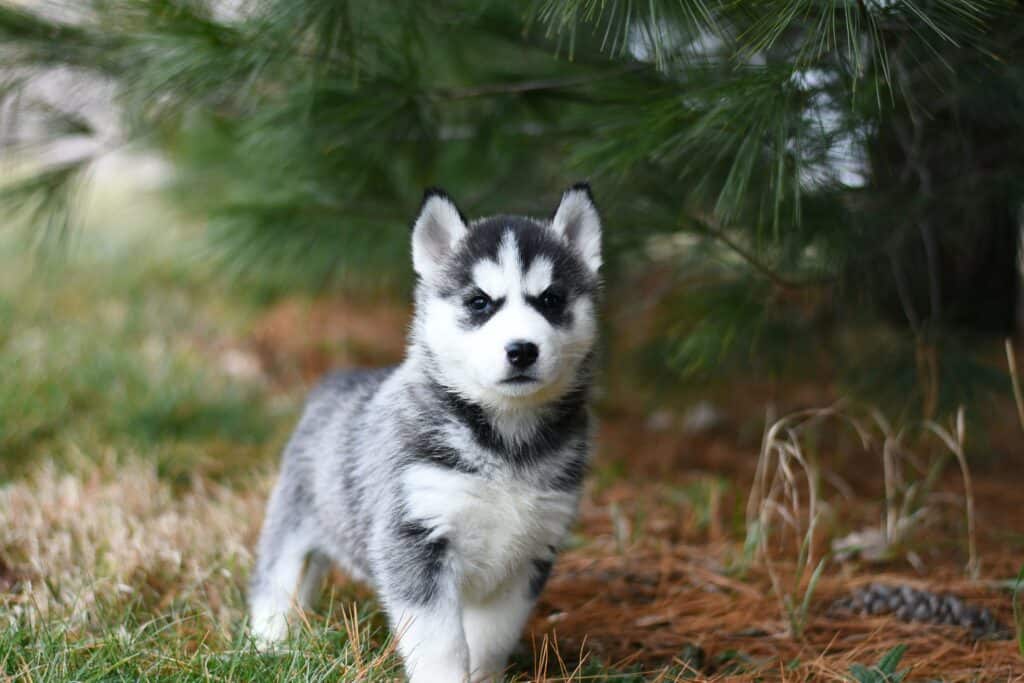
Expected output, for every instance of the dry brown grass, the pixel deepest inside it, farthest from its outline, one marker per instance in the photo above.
(115, 531)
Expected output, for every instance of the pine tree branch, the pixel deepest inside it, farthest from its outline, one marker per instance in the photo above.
(757, 264)
(513, 88)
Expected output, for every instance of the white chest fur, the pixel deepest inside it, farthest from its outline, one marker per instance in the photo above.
(495, 527)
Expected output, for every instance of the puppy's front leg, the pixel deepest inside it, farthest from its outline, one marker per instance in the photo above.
(431, 642)
(494, 625)
(420, 593)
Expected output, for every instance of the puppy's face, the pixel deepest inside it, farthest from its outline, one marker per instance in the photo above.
(506, 306)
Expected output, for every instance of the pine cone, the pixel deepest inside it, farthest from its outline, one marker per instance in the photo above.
(910, 604)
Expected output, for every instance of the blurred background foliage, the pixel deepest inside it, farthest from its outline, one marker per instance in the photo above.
(788, 185)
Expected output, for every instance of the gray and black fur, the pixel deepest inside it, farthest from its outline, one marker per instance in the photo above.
(449, 482)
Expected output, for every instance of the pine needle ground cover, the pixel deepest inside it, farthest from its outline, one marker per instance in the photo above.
(143, 409)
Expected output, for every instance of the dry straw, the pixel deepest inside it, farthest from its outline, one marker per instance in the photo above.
(786, 477)
(1011, 360)
(954, 441)
(783, 508)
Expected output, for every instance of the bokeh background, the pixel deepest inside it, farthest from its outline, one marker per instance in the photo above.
(812, 236)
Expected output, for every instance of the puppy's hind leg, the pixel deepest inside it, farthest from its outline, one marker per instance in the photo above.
(281, 556)
(317, 567)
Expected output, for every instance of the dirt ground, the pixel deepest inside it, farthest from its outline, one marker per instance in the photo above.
(672, 587)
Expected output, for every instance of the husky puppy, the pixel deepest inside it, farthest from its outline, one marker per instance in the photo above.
(450, 481)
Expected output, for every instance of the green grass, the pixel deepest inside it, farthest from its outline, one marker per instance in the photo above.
(1018, 611)
(176, 646)
(116, 342)
(883, 672)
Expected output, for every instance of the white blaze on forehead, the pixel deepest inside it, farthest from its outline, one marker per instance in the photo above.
(538, 278)
(496, 280)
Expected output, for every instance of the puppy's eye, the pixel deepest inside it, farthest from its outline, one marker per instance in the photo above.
(552, 300)
(479, 303)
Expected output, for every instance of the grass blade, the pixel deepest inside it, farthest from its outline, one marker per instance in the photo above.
(1018, 612)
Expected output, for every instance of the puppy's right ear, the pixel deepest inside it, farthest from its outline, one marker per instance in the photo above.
(439, 226)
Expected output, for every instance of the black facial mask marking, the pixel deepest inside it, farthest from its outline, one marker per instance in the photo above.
(478, 308)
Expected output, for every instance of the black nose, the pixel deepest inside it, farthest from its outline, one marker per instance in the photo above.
(521, 354)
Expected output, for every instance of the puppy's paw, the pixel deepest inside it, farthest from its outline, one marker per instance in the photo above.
(268, 629)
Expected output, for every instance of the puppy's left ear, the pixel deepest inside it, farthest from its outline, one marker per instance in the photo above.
(576, 220)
